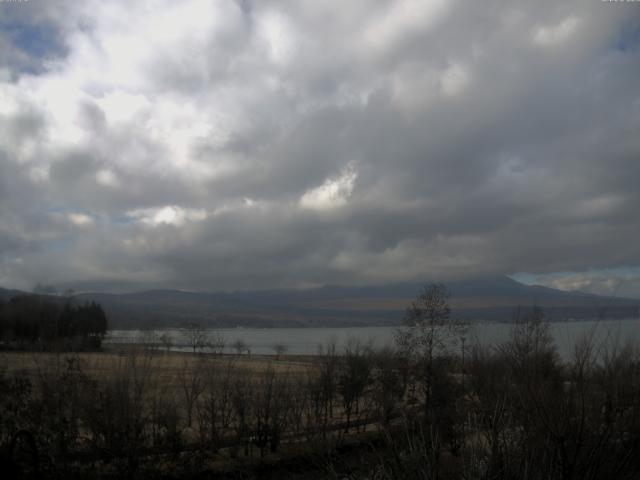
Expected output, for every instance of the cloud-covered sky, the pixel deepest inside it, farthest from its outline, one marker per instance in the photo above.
(211, 145)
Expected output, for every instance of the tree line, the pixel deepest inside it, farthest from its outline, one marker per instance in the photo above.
(34, 321)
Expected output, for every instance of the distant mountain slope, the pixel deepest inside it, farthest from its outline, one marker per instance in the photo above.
(5, 293)
(489, 298)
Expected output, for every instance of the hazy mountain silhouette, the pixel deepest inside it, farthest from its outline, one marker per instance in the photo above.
(486, 298)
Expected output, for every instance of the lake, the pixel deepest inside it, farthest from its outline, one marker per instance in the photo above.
(305, 341)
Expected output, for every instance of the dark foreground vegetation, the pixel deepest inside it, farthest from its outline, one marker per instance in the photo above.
(434, 407)
(34, 322)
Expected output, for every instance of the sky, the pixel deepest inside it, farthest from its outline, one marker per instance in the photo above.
(222, 145)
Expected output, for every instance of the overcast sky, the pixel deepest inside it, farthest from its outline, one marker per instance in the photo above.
(212, 145)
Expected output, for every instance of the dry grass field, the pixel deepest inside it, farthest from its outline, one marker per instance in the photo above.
(167, 365)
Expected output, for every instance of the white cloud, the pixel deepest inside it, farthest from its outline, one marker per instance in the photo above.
(39, 174)
(454, 80)
(280, 37)
(168, 215)
(608, 281)
(401, 19)
(333, 193)
(416, 87)
(107, 178)
(123, 107)
(80, 219)
(599, 206)
(552, 35)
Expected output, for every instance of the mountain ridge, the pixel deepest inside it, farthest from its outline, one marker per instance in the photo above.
(494, 298)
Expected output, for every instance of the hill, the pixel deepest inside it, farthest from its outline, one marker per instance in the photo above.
(478, 299)
(487, 298)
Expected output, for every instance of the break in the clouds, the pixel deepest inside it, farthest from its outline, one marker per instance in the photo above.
(235, 144)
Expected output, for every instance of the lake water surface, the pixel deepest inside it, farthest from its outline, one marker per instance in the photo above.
(305, 341)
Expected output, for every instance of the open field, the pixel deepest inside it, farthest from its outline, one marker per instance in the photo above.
(167, 365)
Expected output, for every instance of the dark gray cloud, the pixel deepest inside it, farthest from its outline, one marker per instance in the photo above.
(223, 145)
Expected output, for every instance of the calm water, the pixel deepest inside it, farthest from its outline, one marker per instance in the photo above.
(304, 341)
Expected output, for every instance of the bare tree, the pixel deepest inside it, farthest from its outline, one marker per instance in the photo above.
(240, 346)
(271, 405)
(428, 332)
(217, 343)
(149, 340)
(215, 411)
(353, 378)
(192, 385)
(166, 341)
(280, 349)
(299, 403)
(195, 336)
(327, 379)
(389, 382)
(165, 417)
(241, 396)
(118, 413)
(428, 328)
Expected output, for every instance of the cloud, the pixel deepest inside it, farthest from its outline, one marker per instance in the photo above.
(619, 282)
(169, 215)
(551, 35)
(80, 219)
(333, 193)
(223, 145)
(397, 20)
